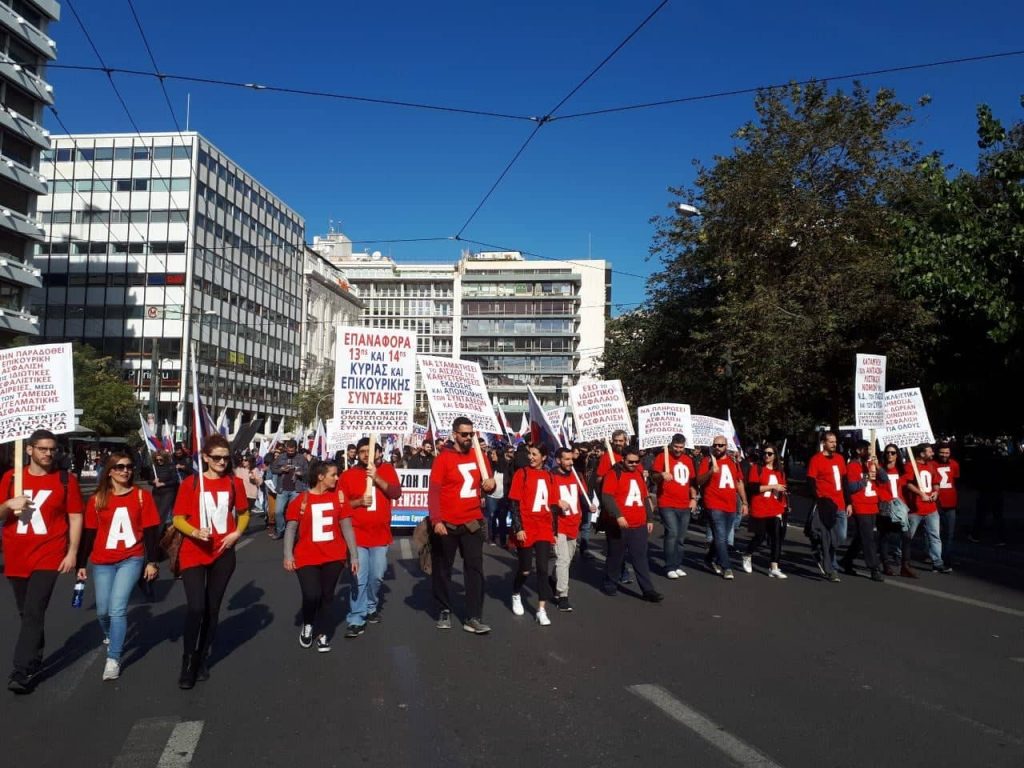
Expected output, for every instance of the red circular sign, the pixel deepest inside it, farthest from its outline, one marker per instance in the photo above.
(151, 312)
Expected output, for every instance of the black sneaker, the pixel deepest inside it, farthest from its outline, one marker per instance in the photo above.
(653, 597)
(306, 636)
(374, 618)
(564, 605)
(833, 577)
(610, 589)
(323, 645)
(354, 630)
(444, 621)
(21, 683)
(876, 575)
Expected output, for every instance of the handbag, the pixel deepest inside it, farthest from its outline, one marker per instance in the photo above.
(170, 543)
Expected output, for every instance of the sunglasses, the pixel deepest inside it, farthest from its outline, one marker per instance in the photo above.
(464, 434)
(217, 458)
(892, 452)
(718, 445)
(123, 467)
(769, 453)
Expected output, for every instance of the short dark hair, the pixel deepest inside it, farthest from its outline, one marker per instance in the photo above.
(562, 451)
(943, 444)
(679, 439)
(291, 443)
(921, 448)
(366, 441)
(40, 434)
(461, 421)
(630, 451)
(861, 444)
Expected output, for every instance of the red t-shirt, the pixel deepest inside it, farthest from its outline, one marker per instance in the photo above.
(720, 491)
(948, 475)
(929, 479)
(893, 488)
(828, 473)
(605, 463)
(764, 503)
(454, 495)
(119, 525)
(865, 501)
(38, 542)
(629, 491)
(219, 516)
(372, 524)
(532, 489)
(675, 493)
(566, 488)
(319, 538)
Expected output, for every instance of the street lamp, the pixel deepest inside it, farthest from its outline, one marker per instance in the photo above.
(316, 411)
(685, 209)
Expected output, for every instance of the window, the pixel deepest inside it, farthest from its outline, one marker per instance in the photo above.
(63, 155)
(122, 153)
(61, 186)
(104, 153)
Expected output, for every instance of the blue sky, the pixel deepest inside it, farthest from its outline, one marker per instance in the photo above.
(583, 185)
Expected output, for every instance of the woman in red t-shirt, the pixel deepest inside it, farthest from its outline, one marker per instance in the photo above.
(318, 536)
(533, 525)
(207, 555)
(766, 484)
(122, 532)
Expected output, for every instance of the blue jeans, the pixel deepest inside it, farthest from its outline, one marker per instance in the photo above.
(497, 519)
(373, 561)
(947, 526)
(731, 529)
(113, 585)
(284, 498)
(676, 520)
(931, 529)
(722, 524)
(842, 522)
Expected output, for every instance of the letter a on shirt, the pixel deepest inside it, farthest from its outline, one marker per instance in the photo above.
(634, 498)
(121, 530)
(323, 526)
(725, 479)
(35, 519)
(540, 497)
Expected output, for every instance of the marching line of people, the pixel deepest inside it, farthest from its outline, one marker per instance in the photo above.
(333, 519)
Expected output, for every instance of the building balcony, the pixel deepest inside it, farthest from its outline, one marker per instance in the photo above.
(22, 224)
(50, 8)
(23, 128)
(25, 31)
(20, 323)
(33, 85)
(22, 174)
(13, 271)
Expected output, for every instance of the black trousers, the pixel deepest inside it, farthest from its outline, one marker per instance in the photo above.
(863, 538)
(205, 586)
(317, 584)
(542, 550)
(766, 527)
(32, 596)
(634, 541)
(442, 556)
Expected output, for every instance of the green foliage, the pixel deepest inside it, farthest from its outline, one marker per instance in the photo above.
(107, 401)
(306, 399)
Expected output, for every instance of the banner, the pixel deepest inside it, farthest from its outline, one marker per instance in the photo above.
(419, 434)
(906, 420)
(556, 418)
(869, 392)
(411, 506)
(707, 428)
(37, 391)
(599, 408)
(456, 388)
(660, 421)
(374, 380)
(338, 440)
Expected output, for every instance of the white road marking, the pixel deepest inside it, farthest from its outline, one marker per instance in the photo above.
(145, 742)
(243, 543)
(181, 746)
(957, 598)
(70, 679)
(406, 546)
(739, 751)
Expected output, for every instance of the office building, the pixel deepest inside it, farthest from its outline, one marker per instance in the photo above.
(327, 302)
(25, 50)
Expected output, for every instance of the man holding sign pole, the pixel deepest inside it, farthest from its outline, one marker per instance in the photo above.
(677, 499)
(458, 479)
(921, 482)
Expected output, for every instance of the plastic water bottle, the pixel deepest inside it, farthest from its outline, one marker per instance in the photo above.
(76, 596)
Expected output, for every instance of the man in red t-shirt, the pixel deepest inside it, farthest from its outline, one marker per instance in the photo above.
(625, 499)
(42, 529)
(456, 520)
(566, 496)
(371, 519)
(826, 473)
(923, 502)
(722, 480)
(677, 499)
(948, 470)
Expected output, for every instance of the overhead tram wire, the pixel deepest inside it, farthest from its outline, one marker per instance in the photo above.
(156, 68)
(549, 258)
(549, 116)
(807, 81)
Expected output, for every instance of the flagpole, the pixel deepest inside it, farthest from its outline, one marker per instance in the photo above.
(197, 426)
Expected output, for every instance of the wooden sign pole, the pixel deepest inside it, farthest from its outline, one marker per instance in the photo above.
(19, 467)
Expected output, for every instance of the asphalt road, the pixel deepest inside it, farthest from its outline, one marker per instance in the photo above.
(754, 672)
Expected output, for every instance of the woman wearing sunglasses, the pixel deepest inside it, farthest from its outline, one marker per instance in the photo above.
(122, 533)
(892, 523)
(767, 490)
(207, 555)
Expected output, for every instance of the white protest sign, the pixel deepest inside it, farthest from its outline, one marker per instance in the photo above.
(707, 428)
(338, 440)
(37, 391)
(456, 388)
(599, 408)
(658, 422)
(869, 392)
(374, 381)
(906, 420)
(556, 417)
(419, 434)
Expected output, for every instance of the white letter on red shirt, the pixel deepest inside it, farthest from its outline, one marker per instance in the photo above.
(467, 470)
(35, 519)
(121, 530)
(323, 526)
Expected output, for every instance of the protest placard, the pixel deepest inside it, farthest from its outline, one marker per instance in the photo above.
(599, 408)
(456, 388)
(556, 418)
(707, 428)
(338, 440)
(869, 392)
(411, 506)
(37, 391)
(658, 422)
(906, 419)
(374, 381)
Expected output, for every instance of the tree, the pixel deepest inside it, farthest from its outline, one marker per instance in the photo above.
(763, 302)
(320, 392)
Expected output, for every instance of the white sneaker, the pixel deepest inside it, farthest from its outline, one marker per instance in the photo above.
(748, 566)
(517, 605)
(542, 618)
(775, 573)
(673, 574)
(111, 670)
(680, 572)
